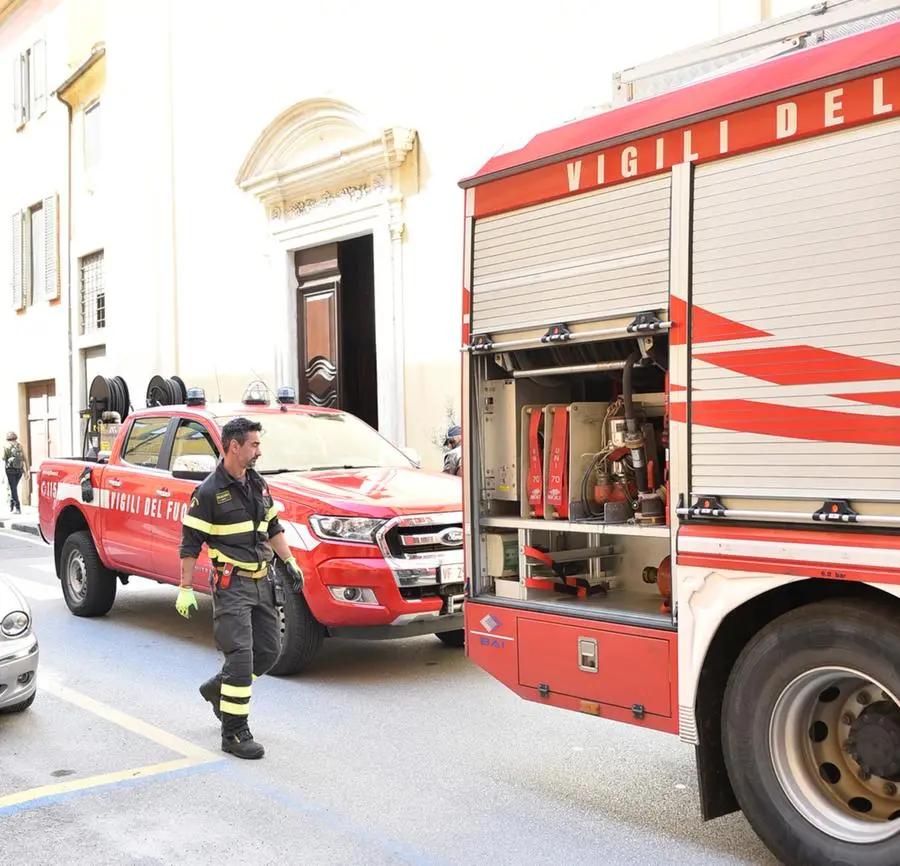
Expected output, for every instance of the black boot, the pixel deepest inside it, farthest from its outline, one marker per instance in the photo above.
(242, 745)
(211, 691)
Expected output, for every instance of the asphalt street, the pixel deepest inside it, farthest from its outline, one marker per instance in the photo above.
(388, 753)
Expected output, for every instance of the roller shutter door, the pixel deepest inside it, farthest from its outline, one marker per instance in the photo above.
(795, 344)
(591, 256)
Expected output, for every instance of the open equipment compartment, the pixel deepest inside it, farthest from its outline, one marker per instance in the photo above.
(569, 443)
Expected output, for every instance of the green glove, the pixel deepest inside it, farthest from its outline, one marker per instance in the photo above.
(295, 574)
(185, 601)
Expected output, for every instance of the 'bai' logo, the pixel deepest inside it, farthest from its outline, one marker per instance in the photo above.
(490, 623)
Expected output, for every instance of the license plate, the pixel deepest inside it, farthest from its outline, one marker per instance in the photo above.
(451, 574)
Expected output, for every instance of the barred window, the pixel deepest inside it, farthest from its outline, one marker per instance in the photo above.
(93, 294)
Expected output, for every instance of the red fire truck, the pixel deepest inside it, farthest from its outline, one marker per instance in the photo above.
(379, 540)
(682, 433)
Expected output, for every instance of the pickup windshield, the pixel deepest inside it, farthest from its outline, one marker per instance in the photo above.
(299, 442)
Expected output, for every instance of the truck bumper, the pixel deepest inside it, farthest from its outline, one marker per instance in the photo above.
(387, 610)
(414, 628)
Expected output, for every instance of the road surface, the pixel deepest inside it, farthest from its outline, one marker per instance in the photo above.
(388, 753)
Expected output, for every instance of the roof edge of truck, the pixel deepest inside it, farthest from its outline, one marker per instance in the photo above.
(809, 68)
(219, 410)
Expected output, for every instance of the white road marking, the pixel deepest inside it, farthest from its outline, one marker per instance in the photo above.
(45, 566)
(191, 755)
(52, 681)
(37, 591)
(33, 590)
(24, 536)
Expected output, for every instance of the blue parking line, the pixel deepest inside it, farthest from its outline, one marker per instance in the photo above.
(53, 799)
(343, 824)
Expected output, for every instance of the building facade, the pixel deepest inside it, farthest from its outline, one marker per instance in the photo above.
(233, 193)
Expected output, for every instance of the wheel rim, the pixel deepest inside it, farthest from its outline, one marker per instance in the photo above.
(832, 732)
(76, 576)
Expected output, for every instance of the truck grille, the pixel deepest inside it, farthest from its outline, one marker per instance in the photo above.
(405, 541)
(424, 550)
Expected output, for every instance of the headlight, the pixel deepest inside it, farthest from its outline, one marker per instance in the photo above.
(360, 530)
(15, 623)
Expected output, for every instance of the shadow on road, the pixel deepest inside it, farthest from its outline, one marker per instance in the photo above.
(151, 614)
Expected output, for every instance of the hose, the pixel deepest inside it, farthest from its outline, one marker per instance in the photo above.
(630, 361)
(634, 440)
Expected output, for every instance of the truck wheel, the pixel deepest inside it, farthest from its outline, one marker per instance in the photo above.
(89, 588)
(455, 638)
(811, 734)
(302, 636)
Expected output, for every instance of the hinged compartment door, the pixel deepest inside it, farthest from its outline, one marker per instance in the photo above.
(596, 664)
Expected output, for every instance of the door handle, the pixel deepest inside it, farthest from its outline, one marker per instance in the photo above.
(114, 482)
(163, 492)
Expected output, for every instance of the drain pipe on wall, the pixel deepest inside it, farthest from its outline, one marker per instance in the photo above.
(61, 93)
(170, 72)
(69, 305)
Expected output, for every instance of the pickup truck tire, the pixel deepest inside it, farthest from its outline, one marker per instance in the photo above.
(302, 637)
(89, 588)
(455, 638)
(811, 734)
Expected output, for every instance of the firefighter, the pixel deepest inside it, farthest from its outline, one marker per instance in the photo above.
(233, 513)
(453, 457)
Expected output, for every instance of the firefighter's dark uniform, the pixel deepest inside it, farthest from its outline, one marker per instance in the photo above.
(236, 520)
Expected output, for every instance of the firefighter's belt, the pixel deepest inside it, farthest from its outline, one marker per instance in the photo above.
(241, 572)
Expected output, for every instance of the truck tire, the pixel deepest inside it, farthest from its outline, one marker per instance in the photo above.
(302, 636)
(455, 638)
(89, 588)
(811, 734)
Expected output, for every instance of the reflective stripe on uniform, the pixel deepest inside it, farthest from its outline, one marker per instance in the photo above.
(234, 709)
(197, 523)
(271, 513)
(224, 528)
(231, 528)
(231, 691)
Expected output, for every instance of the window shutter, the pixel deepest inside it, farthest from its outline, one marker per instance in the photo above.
(51, 247)
(39, 77)
(18, 271)
(27, 261)
(17, 92)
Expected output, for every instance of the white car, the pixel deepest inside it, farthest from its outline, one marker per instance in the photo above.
(18, 651)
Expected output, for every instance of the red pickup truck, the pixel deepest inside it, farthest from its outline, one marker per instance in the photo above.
(379, 540)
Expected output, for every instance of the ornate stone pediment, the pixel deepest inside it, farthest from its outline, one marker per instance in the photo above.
(319, 147)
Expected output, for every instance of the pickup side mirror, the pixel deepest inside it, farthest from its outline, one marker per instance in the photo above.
(413, 456)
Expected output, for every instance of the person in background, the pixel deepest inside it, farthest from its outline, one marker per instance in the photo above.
(14, 462)
(453, 457)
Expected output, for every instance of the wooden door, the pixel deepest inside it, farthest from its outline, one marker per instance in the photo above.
(43, 431)
(319, 326)
(320, 379)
